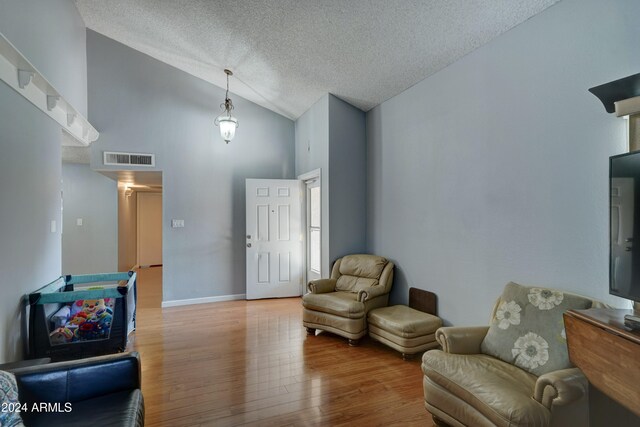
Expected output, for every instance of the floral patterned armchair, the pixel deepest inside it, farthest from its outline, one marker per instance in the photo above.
(515, 372)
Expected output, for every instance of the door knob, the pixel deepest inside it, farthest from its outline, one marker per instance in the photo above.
(248, 236)
(248, 245)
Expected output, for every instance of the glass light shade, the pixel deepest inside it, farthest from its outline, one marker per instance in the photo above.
(228, 125)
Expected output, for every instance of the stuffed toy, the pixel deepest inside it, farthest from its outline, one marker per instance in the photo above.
(72, 330)
(104, 323)
(88, 320)
(92, 306)
(78, 319)
(57, 337)
(87, 331)
(60, 336)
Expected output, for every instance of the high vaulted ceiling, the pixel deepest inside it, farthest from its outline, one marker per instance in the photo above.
(286, 54)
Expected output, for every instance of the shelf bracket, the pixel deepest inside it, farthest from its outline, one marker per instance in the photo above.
(71, 118)
(52, 101)
(24, 78)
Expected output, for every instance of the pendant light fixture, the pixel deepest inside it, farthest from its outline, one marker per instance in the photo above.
(226, 121)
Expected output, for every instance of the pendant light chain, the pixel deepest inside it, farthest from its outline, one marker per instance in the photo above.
(227, 104)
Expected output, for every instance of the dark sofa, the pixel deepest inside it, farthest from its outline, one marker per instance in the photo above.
(99, 391)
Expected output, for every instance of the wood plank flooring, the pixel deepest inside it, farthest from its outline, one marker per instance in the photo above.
(251, 363)
(149, 285)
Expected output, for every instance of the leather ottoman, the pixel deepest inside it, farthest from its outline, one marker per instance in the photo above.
(404, 329)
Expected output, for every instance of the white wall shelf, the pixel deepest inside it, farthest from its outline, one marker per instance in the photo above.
(19, 74)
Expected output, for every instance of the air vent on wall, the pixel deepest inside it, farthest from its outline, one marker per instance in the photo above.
(112, 158)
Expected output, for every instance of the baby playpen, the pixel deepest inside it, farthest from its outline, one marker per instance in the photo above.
(82, 315)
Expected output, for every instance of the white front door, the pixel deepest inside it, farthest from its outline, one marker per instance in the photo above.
(274, 238)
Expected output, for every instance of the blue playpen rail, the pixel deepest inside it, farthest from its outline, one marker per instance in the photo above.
(51, 293)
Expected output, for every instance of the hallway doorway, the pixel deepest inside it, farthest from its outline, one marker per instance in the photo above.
(140, 231)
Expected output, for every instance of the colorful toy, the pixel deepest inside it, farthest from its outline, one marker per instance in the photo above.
(87, 331)
(87, 320)
(82, 320)
(78, 318)
(72, 330)
(61, 336)
(91, 306)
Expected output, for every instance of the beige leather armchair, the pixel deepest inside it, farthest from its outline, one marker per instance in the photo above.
(463, 387)
(340, 304)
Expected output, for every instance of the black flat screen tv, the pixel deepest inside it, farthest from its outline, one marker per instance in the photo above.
(624, 225)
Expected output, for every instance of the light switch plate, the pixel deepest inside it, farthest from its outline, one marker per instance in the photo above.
(79, 222)
(54, 226)
(177, 223)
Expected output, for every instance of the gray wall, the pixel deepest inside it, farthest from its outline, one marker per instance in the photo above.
(142, 105)
(29, 251)
(51, 34)
(331, 136)
(311, 153)
(496, 168)
(92, 247)
(347, 180)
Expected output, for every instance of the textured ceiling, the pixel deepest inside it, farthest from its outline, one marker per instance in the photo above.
(286, 54)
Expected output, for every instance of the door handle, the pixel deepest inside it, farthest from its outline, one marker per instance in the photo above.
(628, 249)
(248, 245)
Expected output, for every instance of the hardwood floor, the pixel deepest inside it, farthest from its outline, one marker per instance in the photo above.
(251, 363)
(149, 285)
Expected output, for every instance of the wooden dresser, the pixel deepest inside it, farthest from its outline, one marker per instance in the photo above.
(607, 352)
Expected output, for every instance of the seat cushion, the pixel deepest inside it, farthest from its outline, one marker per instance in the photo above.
(527, 329)
(404, 345)
(343, 304)
(500, 391)
(404, 321)
(125, 408)
(369, 266)
(354, 283)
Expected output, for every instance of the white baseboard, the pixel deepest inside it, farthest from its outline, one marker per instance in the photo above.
(205, 300)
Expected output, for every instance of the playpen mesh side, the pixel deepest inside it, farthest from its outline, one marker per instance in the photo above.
(63, 292)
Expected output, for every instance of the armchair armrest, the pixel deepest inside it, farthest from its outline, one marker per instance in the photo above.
(322, 286)
(371, 292)
(461, 339)
(75, 380)
(560, 387)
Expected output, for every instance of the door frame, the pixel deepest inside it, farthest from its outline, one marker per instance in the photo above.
(313, 175)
